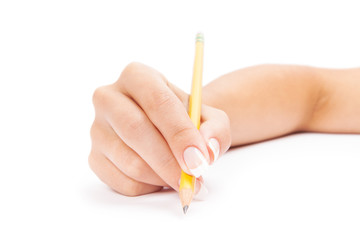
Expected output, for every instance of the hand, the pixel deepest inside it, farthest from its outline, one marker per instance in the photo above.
(142, 135)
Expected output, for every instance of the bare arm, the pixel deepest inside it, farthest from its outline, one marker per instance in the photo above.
(142, 136)
(268, 101)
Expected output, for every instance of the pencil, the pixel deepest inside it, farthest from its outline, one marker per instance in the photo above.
(187, 182)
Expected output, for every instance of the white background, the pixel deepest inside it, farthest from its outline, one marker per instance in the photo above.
(53, 54)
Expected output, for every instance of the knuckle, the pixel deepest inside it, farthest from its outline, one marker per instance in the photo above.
(136, 125)
(129, 163)
(99, 96)
(125, 186)
(92, 162)
(135, 169)
(127, 160)
(97, 135)
(162, 100)
(132, 68)
(182, 133)
(129, 188)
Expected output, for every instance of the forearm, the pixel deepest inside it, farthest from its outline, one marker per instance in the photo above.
(268, 101)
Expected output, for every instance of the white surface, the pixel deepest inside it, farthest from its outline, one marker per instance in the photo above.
(52, 57)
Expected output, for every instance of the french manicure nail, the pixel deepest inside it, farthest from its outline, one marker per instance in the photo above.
(215, 148)
(195, 161)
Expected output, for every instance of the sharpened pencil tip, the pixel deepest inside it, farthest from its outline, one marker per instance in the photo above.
(185, 208)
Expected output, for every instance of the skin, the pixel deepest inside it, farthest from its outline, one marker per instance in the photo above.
(141, 127)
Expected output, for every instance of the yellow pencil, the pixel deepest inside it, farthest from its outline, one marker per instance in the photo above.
(187, 182)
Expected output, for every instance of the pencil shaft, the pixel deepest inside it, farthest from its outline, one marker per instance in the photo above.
(196, 93)
(187, 182)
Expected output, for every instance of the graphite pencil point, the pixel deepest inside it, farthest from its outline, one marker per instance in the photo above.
(185, 208)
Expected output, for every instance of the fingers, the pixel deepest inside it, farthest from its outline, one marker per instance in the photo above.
(115, 179)
(123, 157)
(215, 128)
(169, 116)
(134, 128)
(142, 135)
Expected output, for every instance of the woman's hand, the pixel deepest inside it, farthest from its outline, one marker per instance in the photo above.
(142, 135)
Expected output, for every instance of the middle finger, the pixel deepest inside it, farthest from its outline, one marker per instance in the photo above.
(132, 125)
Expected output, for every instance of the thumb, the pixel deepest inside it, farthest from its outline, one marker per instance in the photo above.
(215, 128)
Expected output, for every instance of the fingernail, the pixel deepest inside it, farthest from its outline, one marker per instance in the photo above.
(195, 161)
(202, 193)
(215, 148)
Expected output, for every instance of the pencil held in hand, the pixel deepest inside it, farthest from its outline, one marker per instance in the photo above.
(187, 182)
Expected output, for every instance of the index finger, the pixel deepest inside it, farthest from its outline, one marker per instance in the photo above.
(166, 111)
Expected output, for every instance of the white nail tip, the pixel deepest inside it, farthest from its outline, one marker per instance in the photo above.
(195, 161)
(215, 148)
(200, 170)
